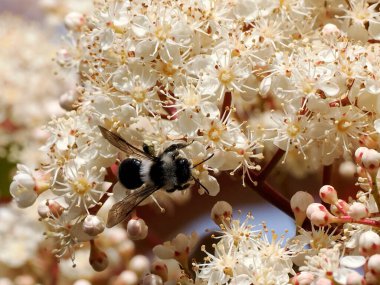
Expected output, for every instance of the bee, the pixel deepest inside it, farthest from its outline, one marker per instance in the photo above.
(146, 173)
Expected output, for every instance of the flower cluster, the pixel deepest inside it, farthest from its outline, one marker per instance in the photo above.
(226, 79)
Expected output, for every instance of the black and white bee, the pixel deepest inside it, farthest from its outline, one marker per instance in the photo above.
(146, 173)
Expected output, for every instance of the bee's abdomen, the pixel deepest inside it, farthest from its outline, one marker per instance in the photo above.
(157, 174)
(129, 173)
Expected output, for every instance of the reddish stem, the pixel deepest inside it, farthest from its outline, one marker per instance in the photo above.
(54, 272)
(327, 171)
(263, 174)
(226, 106)
(365, 221)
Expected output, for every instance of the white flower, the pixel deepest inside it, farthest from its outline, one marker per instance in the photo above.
(27, 185)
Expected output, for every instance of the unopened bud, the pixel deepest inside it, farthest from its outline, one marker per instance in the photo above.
(330, 29)
(152, 279)
(371, 160)
(359, 154)
(304, 278)
(328, 194)
(98, 259)
(221, 211)
(93, 225)
(160, 268)
(127, 277)
(67, 100)
(74, 21)
(299, 203)
(27, 185)
(374, 265)
(347, 169)
(139, 264)
(358, 211)
(369, 243)
(321, 218)
(315, 207)
(137, 229)
(48, 208)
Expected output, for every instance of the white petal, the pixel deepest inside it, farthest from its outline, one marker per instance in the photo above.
(265, 85)
(352, 261)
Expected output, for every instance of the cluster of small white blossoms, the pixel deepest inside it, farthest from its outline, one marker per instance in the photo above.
(244, 254)
(29, 89)
(204, 73)
(346, 247)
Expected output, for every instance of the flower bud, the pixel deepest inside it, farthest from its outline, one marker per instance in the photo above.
(321, 218)
(160, 268)
(25, 279)
(347, 169)
(67, 100)
(358, 211)
(152, 279)
(93, 225)
(328, 194)
(374, 265)
(48, 208)
(355, 278)
(98, 259)
(26, 186)
(220, 212)
(369, 243)
(330, 29)
(314, 207)
(74, 21)
(137, 229)
(304, 278)
(127, 277)
(299, 203)
(139, 264)
(371, 278)
(359, 154)
(371, 160)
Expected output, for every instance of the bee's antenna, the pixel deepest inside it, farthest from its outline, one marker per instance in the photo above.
(200, 184)
(203, 161)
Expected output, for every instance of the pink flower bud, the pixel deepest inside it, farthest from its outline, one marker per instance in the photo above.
(137, 229)
(152, 279)
(93, 225)
(303, 278)
(98, 259)
(74, 21)
(371, 160)
(315, 207)
(160, 268)
(328, 194)
(220, 212)
(299, 203)
(321, 218)
(358, 211)
(127, 277)
(374, 265)
(359, 154)
(369, 243)
(355, 278)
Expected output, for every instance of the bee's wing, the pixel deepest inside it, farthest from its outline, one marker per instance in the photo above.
(122, 144)
(123, 208)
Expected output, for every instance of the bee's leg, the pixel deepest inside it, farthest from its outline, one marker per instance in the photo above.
(175, 147)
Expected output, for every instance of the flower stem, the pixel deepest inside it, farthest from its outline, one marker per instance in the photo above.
(270, 165)
(365, 221)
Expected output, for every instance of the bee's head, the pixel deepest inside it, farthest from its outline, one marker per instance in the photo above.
(183, 170)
